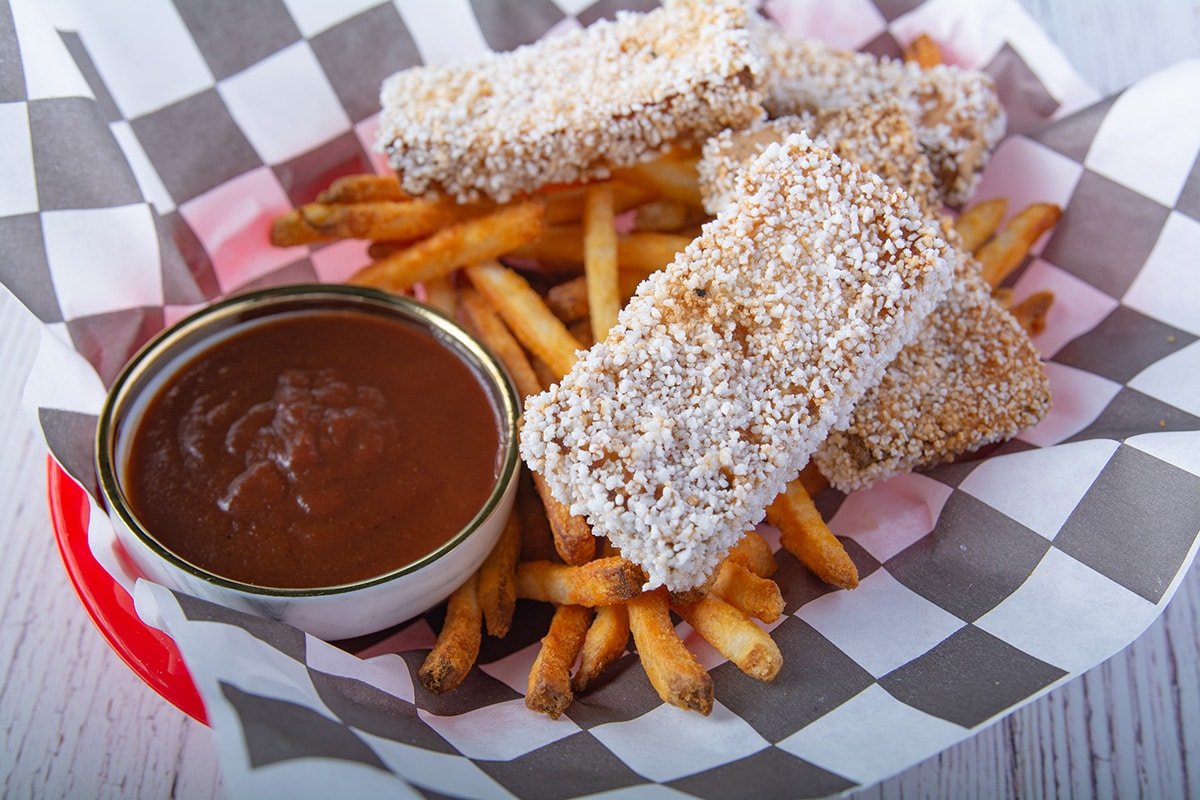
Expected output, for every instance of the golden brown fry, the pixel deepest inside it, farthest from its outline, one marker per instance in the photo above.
(812, 480)
(629, 283)
(558, 244)
(549, 689)
(497, 590)
(600, 260)
(568, 300)
(566, 205)
(527, 316)
(640, 253)
(673, 671)
(924, 52)
(292, 229)
(384, 219)
(605, 643)
(979, 222)
(458, 643)
(451, 247)
(673, 177)
(1008, 249)
(754, 596)
(806, 536)
(1003, 296)
(482, 319)
(734, 636)
(573, 539)
(378, 250)
(547, 376)
(1031, 312)
(441, 293)
(362, 189)
(644, 252)
(536, 541)
(753, 553)
(666, 216)
(602, 582)
(582, 331)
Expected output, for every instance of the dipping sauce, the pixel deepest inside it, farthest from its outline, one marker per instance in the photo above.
(313, 450)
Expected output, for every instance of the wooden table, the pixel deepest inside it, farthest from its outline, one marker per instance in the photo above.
(76, 722)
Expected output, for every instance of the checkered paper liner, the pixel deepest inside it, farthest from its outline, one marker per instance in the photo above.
(148, 147)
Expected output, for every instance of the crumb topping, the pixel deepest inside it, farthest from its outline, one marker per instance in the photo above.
(970, 378)
(730, 366)
(956, 113)
(572, 107)
(879, 138)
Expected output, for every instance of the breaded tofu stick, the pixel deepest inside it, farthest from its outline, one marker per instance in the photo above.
(879, 138)
(971, 377)
(571, 107)
(956, 113)
(732, 364)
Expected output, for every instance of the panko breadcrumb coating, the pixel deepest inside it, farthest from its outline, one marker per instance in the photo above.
(971, 377)
(571, 107)
(956, 113)
(879, 138)
(730, 366)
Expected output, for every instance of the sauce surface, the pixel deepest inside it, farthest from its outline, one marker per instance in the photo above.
(314, 450)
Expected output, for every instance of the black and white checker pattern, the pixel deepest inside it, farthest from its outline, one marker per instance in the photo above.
(148, 149)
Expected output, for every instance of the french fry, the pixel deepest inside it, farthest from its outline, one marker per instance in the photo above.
(582, 331)
(600, 260)
(497, 590)
(568, 300)
(734, 636)
(598, 583)
(378, 250)
(573, 539)
(605, 642)
(979, 222)
(441, 293)
(362, 189)
(1031, 312)
(671, 177)
(482, 319)
(463, 243)
(291, 230)
(549, 690)
(526, 315)
(1003, 296)
(547, 376)
(666, 216)
(812, 480)
(924, 52)
(645, 252)
(806, 536)
(1008, 249)
(673, 671)
(566, 205)
(536, 541)
(753, 553)
(384, 219)
(753, 596)
(458, 642)
(641, 252)
(558, 244)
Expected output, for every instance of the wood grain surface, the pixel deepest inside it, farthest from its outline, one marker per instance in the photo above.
(76, 722)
